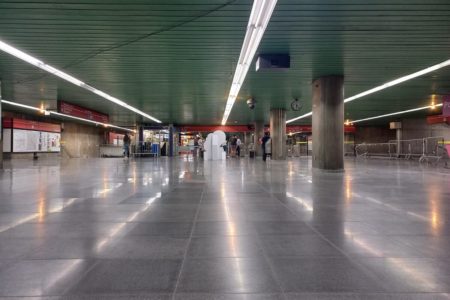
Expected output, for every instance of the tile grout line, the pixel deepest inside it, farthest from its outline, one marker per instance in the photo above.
(346, 255)
(188, 245)
(266, 257)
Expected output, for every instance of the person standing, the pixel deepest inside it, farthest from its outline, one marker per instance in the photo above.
(265, 140)
(233, 144)
(238, 146)
(126, 145)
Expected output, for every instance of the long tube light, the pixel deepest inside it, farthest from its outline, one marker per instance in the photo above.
(398, 113)
(387, 85)
(49, 112)
(40, 64)
(257, 24)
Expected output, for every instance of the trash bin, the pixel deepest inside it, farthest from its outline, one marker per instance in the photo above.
(252, 154)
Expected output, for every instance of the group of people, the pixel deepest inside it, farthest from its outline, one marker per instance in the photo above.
(235, 146)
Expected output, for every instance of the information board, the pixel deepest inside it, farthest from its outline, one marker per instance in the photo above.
(35, 141)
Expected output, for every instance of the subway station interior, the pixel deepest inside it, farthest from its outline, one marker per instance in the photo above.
(225, 149)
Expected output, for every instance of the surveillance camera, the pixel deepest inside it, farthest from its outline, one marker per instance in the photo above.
(251, 103)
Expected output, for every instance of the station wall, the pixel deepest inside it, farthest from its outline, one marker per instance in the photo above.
(81, 141)
(77, 140)
(418, 128)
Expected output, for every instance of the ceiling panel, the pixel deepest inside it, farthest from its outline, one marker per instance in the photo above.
(175, 59)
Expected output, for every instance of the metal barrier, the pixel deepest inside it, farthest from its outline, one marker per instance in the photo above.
(430, 149)
(434, 149)
(376, 149)
(294, 150)
(144, 149)
(349, 149)
(409, 148)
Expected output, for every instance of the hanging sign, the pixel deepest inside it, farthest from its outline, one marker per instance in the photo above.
(81, 112)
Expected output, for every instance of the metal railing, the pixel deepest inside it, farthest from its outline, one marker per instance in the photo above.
(144, 149)
(349, 148)
(429, 149)
(376, 149)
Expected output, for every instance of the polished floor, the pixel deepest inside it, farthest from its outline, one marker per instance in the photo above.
(240, 229)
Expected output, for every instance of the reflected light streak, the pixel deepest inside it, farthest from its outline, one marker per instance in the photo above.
(120, 226)
(19, 222)
(348, 189)
(434, 199)
(36, 215)
(231, 226)
(433, 219)
(305, 204)
(398, 262)
(73, 265)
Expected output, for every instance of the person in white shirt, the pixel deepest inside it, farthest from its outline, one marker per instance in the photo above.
(238, 147)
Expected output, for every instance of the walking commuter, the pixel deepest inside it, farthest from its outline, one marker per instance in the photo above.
(126, 145)
(238, 146)
(264, 141)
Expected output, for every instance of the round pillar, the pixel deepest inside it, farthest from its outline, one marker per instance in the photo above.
(278, 133)
(328, 123)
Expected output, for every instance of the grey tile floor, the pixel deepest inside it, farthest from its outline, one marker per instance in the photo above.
(241, 229)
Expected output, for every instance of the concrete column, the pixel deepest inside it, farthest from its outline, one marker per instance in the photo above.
(398, 135)
(140, 138)
(278, 133)
(171, 144)
(259, 133)
(328, 123)
(1, 130)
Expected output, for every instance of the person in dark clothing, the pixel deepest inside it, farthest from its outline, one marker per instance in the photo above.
(126, 145)
(238, 146)
(264, 140)
(233, 144)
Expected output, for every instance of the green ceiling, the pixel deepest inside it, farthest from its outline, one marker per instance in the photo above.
(175, 59)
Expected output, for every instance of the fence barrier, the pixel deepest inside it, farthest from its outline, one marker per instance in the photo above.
(144, 149)
(429, 149)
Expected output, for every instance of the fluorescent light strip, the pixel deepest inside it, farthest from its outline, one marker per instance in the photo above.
(397, 113)
(40, 64)
(399, 80)
(257, 23)
(64, 115)
(300, 117)
(386, 85)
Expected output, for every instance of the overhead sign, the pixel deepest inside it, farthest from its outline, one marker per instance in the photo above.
(31, 125)
(81, 112)
(446, 106)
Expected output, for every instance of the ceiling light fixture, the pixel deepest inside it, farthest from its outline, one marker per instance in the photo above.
(300, 117)
(40, 64)
(49, 112)
(398, 113)
(257, 23)
(386, 85)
